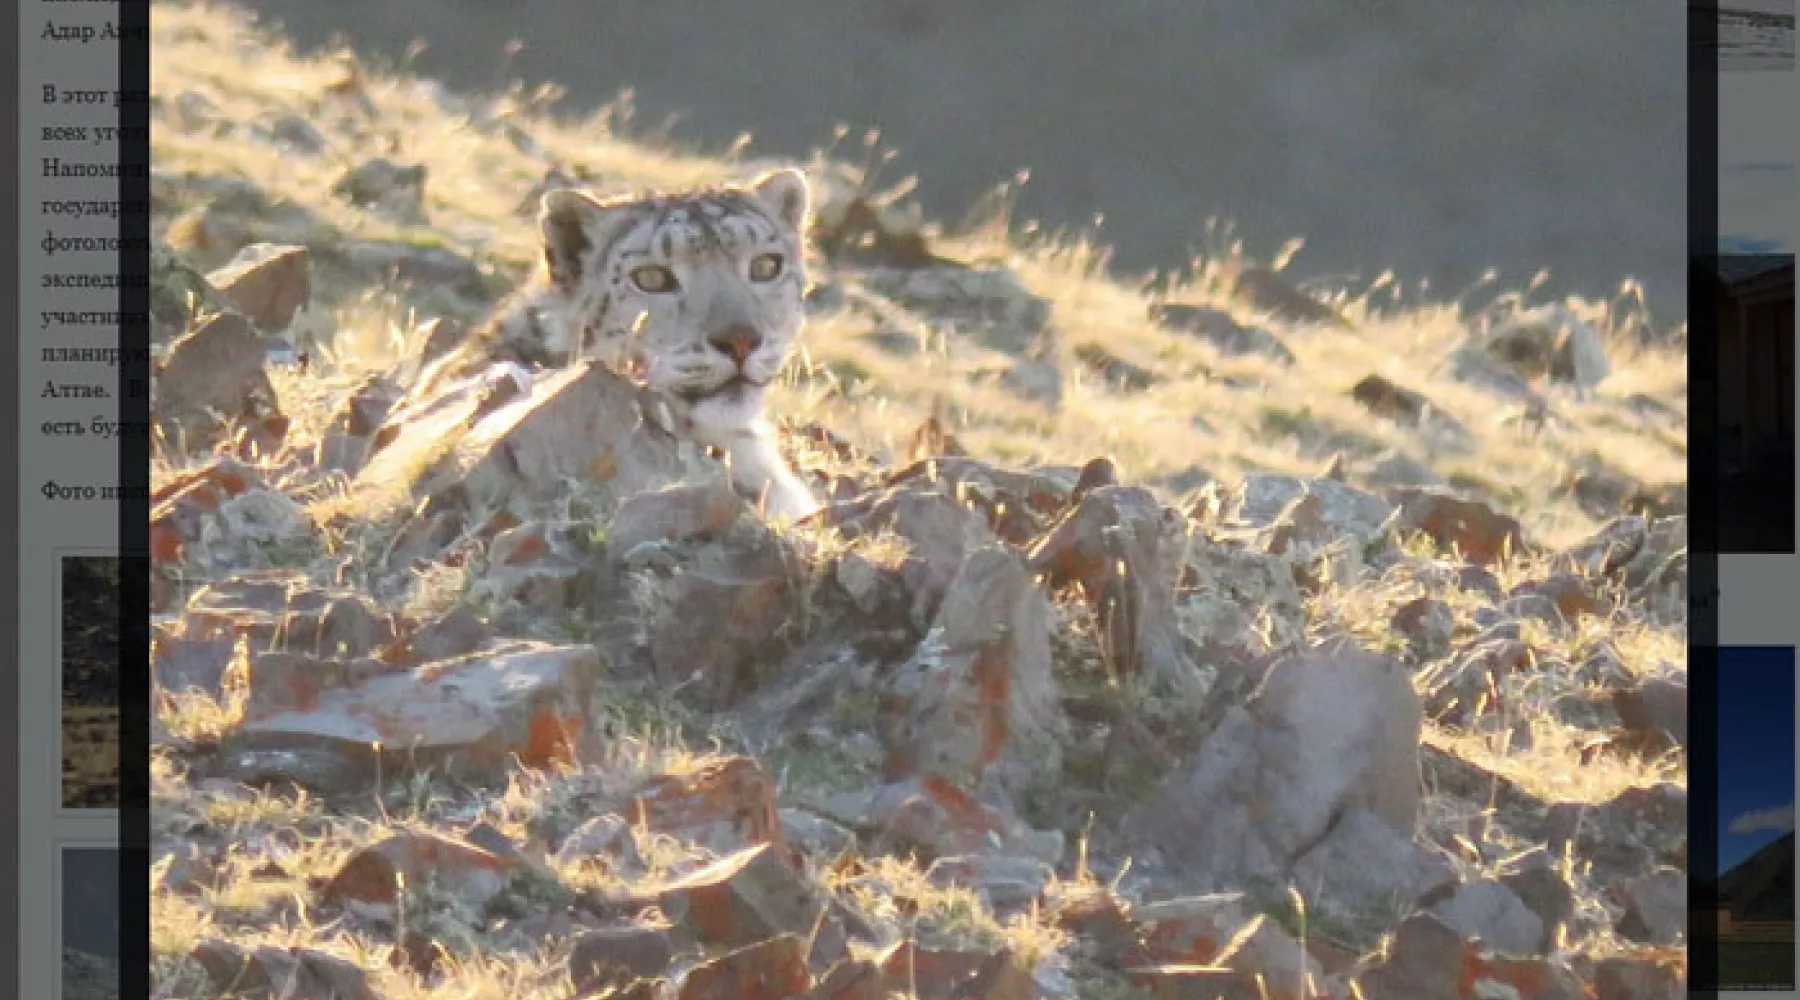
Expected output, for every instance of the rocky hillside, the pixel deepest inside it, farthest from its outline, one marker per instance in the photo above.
(1203, 638)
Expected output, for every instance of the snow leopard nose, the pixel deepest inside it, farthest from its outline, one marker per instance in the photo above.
(737, 341)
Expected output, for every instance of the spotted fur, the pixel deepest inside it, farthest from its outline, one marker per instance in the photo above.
(698, 293)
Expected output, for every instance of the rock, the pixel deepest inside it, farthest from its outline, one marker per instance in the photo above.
(1660, 565)
(1004, 884)
(380, 873)
(1430, 960)
(618, 956)
(1329, 731)
(1191, 982)
(349, 437)
(383, 184)
(1117, 547)
(979, 701)
(186, 869)
(212, 384)
(1636, 551)
(535, 566)
(1609, 548)
(1034, 381)
(1571, 596)
(1113, 371)
(268, 282)
(744, 587)
(1663, 500)
(1550, 341)
(874, 589)
(1197, 930)
(469, 715)
(937, 534)
(1365, 872)
(426, 345)
(437, 337)
(1428, 625)
(259, 522)
(989, 303)
(1500, 798)
(1018, 506)
(813, 837)
(606, 840)
(1272, 293)
(767, 970)
(179, 508)
(1263, 498)
(1471, 527)
(1472, 579)
(855, 979)
(954, 973)
(742, 899)
(1602, 493)
(942, 820)
(1103, 928)
(1640, 977)
(1488, 911)
(1654, 714)
(179, 294)
(266, 972)
(685, 512)
(862, 232)
(1634, 831)
(721, 806)
(454, 633)
(1475, 681)
(582, 422)
(192, 112)
(1216, 327)
(1546, 893)
(1656, 907)
(933, 440)
(1186, 482)
(263, 611)
(1383, 398)
(294, 133)
(1393, 468)
(282, 681)
(421, 267)
(1318, 554)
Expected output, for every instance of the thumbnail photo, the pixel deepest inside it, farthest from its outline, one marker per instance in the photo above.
(90, 923)
(1758, 206)
(1752, 35)
(1755, 893)
(90, 681)
(1755, 400)
(826, 455)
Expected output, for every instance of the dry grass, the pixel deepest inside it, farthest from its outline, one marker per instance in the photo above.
(1293, 420)
(90, 754)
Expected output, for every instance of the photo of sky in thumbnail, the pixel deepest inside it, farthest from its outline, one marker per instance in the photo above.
(1755, 35)
(1756, 752)
(1755, 889)
(1759, 197)
(1757, 203)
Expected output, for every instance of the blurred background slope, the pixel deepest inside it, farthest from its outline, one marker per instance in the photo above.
(1435, 140)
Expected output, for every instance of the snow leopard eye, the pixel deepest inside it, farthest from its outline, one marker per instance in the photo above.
(766, 267)
(655, 279)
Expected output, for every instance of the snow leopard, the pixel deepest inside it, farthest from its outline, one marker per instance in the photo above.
(697, 294)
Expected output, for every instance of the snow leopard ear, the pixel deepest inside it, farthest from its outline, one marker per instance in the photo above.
(784, 192)
(575, 223)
